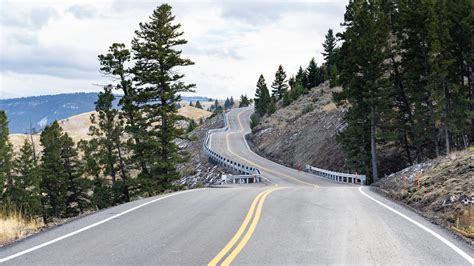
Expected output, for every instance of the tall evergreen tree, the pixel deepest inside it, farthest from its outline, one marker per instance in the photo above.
(159, 86)
(262, 96)
(279, 84)
(364, 79)
(77, 187)
(27, 194)
(315, 75)
(198, 105)
(302, 78)
(113, 64)
(6, 155)
(102, 196)
(107, 129)
(53, 177)
(329, 45)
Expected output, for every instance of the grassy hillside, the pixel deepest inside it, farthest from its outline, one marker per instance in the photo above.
(37, 111)
(77, 126)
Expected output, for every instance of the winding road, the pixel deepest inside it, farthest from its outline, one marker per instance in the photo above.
(291, 218)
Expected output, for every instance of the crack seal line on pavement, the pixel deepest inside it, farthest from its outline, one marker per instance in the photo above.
(255, 211)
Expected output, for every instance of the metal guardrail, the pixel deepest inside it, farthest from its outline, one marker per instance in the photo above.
(338, 177)
(252, 173)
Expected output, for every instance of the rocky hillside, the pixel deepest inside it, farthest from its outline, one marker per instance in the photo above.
(303, 132)
(442, 190)
(197, 171)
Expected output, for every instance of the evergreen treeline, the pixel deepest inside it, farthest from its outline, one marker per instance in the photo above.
(136, 139)
(406, 70)
(287, 90)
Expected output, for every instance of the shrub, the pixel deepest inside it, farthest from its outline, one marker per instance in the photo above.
(307, 109)
(254, 120)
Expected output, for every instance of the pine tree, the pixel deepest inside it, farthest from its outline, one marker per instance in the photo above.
(232, 102)
(279, 84)
(198, 105)
(77, 198)
(302, 78)
(113, 64)
(287, 98)
(159, 86)
(271, 108)
(191, 126)
(102, 196)
(53, 177)
(107, 130)
(27, 194)
(364, 81)
(315, 75)
(459, 21)
(191, 103)
(244, 101)
(227, 104)
(262, 96)
(6, 157)
(329, 45)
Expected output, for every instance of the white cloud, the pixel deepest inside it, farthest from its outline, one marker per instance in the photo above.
(52, 47)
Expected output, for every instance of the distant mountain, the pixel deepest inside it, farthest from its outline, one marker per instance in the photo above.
(38, 111)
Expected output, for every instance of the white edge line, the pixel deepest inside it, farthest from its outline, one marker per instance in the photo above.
(442, 239)
(26, 251)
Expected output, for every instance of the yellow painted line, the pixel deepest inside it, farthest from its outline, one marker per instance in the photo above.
(241, 229)
(250, 231)
(254, 164)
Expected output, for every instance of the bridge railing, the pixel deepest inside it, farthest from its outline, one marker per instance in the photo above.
(335, 176)
(252, 172)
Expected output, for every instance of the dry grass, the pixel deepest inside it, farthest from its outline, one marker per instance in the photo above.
(465, 223)
(436, 189)
(15, 226)
(78, 126)
(329, 107)
(193, 112)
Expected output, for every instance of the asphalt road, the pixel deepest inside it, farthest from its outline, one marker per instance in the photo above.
(291, 218)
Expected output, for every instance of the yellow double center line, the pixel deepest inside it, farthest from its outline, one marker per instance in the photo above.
(254, 212)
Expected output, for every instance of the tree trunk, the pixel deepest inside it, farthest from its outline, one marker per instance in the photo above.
(123, 174)
(406, 108)
(436, 142)
(110, 161)
(407, 148)
(373, 147)
(446, 135)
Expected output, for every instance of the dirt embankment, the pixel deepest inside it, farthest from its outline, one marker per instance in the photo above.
(441, 190)
(303, 132)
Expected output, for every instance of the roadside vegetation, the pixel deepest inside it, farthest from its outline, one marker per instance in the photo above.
(441, 189)
(132, 151)
(406, 75)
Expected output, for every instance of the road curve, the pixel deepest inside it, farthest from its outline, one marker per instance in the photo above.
(293, 218)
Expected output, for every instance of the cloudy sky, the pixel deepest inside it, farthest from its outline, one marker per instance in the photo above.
(50, 47)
